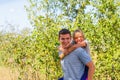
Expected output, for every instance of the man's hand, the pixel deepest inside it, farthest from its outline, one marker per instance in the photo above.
(61, 48)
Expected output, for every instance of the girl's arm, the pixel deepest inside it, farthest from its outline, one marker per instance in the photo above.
(81, 44)
(71, 48)
(64, 51)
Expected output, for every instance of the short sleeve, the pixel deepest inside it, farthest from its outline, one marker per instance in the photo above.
(83, 56)
(87, 42)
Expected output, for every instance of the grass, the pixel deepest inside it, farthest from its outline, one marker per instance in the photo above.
(8, 74)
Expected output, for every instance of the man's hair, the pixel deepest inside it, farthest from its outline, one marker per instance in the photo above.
(64, 31)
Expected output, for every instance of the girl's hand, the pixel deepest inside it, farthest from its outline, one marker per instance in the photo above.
(67, 46)
(61, 49)
(82, 44)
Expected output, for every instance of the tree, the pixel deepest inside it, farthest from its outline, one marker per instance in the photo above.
(101, 26)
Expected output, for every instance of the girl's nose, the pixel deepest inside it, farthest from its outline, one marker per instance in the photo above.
(79, 38)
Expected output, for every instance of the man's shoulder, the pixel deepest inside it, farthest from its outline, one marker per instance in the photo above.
(79, 49)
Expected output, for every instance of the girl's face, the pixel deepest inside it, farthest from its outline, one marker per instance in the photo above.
(78, 37)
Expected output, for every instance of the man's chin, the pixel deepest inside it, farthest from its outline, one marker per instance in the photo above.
(64, 46)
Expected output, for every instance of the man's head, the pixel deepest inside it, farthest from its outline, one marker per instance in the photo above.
(64, 37)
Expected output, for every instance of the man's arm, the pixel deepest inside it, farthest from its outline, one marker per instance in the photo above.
(91, 70)
(86, 60)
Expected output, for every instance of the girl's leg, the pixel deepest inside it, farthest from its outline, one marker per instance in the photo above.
(61, 78)
(85, 75)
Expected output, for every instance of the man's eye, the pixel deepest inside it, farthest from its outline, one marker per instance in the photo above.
(68, 38)
(62, 39)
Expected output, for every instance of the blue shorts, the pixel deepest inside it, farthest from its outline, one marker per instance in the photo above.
(61, 78)
(85, 75)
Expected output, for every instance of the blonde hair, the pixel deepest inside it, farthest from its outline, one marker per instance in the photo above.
(78, 30)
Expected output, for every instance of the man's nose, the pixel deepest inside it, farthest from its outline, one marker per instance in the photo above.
(65, 40)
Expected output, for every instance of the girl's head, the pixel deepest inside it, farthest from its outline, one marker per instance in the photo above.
(78, 36)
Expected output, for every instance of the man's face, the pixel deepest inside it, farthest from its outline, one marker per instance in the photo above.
(65, 39)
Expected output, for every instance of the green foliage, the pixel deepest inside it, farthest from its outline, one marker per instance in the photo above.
(36, 55)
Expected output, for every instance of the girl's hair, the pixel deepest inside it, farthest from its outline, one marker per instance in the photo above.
(78, 30)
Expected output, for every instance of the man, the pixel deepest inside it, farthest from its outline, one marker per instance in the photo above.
(73, 65)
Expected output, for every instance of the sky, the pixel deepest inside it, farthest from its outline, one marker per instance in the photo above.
(13, 12)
